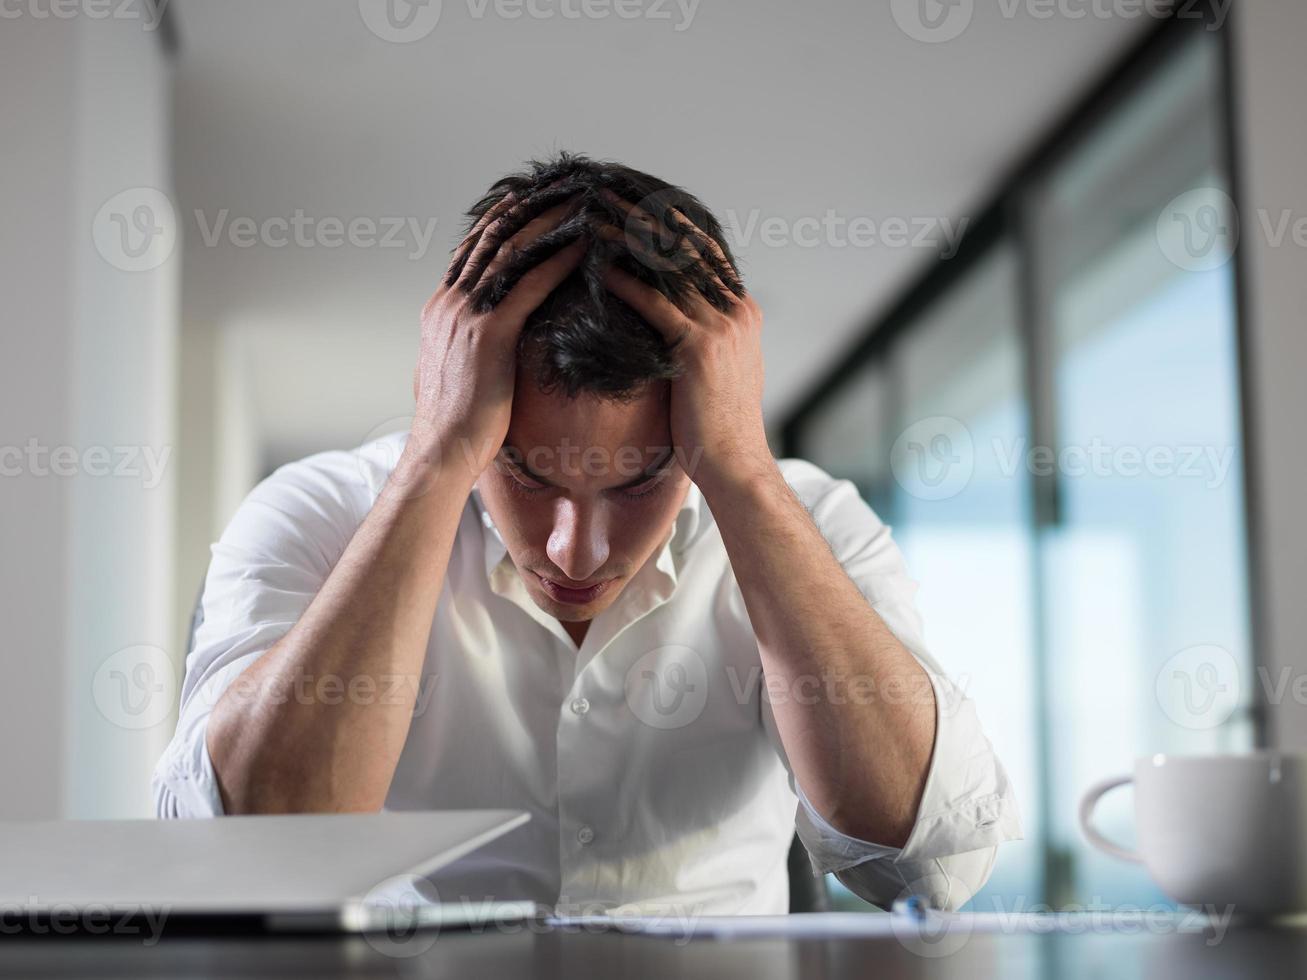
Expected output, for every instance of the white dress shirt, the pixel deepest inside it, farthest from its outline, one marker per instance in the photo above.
(648, 758)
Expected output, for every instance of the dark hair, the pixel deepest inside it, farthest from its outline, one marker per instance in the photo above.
(582, 338)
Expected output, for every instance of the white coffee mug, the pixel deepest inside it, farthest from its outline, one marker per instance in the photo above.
(1218, 830)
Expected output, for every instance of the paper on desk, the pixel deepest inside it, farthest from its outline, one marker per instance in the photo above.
(839, 925)
(730, 926)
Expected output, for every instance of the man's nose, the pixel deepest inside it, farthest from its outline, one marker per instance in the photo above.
(578, 543)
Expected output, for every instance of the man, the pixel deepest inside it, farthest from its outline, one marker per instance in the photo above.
(582, 586)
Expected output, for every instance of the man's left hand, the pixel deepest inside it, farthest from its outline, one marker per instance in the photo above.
(716, 402)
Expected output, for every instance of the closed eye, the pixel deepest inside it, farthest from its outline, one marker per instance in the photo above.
(647, 487)
(519, 482)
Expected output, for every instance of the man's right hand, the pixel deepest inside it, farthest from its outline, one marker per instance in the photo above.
(372, 616)
(467, 363)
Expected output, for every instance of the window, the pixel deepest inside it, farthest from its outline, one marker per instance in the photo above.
(1051, 423)
(963, 522)
(1144, 558)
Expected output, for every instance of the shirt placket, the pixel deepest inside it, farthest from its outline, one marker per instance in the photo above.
(584, 816)
(584, 740)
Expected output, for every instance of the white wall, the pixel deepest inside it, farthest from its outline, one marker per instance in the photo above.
(34, 390)
(1270, 81)
(86, 545)
(238, 447)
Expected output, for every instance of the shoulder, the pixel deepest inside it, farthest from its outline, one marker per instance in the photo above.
(315, 503)
(806, 479)
(827, 497)
(343, 473)
(836, 506)
(862, 542)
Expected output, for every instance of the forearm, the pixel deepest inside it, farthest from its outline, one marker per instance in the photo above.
(854, 709)
(276, 742)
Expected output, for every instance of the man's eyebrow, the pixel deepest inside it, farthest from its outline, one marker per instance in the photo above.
(515, 458)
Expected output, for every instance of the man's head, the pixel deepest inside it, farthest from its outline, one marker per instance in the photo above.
(587, 485)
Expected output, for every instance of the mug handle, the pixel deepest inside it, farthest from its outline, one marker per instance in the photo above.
(1091, 798)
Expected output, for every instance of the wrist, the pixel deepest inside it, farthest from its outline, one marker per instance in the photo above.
(433, 462)
(734, 474)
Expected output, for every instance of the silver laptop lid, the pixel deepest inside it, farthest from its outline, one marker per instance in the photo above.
(232, 865)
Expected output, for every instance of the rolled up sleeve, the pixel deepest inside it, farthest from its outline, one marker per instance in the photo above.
(270, 562)
(184, 783)
(967, 807)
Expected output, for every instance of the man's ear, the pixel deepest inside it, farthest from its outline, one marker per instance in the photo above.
(415, 383)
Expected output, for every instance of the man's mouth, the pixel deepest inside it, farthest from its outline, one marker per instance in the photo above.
(574, 596)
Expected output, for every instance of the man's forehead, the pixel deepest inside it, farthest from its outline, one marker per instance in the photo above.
(555, 421)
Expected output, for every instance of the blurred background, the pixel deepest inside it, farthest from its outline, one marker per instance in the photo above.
(1033, 274)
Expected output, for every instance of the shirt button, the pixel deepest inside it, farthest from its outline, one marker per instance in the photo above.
(580, 706)
(585, 835)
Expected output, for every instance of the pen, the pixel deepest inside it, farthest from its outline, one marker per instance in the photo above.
(912, 906)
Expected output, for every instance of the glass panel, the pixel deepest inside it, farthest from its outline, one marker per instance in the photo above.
(847, 437)
(929, 453)
(1146, 607)
(962, 516)
(1118, 627)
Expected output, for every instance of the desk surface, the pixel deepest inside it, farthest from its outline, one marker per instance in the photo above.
(1240, 952)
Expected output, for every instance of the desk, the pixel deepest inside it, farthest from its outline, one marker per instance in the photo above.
(1241, 952)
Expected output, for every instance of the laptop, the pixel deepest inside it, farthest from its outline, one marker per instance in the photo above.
(297, 873)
